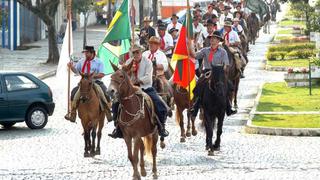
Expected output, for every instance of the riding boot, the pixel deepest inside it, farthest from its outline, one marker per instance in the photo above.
(116, 133)
(72, 115)
(162, 131)
(195, 107)
(242, 73)
(229, 110)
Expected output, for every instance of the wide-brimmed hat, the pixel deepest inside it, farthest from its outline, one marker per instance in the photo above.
(174, 15)
(227, 23)
(88, 49)
(236, 20)
(196, 5)
(173, 29)
(227, 7)
(136, 47)
(147, 19)
(155, 40)
(216, 34)
(162, 27)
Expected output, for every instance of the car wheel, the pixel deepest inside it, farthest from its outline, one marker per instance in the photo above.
(37, 118)
(7, 125)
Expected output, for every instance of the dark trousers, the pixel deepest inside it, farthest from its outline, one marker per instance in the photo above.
(159, 106)
(100, 83)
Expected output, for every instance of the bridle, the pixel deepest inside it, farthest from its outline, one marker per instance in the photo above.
(85, 95)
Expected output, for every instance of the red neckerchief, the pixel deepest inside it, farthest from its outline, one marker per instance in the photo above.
(87, 63)
(151, 55)
(226, 37)
(212, 52)
(163, 44)
(174, 25)
(136, 68)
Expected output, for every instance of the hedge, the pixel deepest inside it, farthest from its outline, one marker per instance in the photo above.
(300, 54)
(289, 48)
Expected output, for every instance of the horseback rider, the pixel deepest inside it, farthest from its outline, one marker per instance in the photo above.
(146, 32)
(213, 55)
(90, 65)
(141, 75)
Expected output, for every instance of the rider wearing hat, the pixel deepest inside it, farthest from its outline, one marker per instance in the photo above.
(166, 40)
(214, 55)
(174, 23)
(142, 71)
(91, 64)
(146, 32)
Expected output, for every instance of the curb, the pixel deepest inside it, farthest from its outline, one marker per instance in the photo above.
(252, 129)
(276, 68)
(47, 75)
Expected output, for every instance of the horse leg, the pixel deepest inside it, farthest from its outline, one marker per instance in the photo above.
(162, 144)
(209, 133)
(236, 88)
(216, 145)
(86, 137)
(181, 124)
(101, 124)
(194, 131)
(142, 149)
(128, 141)
(136, 148)
(93, 142)
(154, 155)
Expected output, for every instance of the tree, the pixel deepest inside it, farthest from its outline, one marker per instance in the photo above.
(155, 11)
(141, 13)
(46, 11)
(84, 7)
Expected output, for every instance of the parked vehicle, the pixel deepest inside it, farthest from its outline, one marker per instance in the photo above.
(24, 98)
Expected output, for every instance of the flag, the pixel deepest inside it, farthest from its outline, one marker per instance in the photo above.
(117, 39)
(257, 6)
(65, 56)
(184, 74)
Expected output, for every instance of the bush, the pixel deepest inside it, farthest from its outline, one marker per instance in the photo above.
(276, 55)
(289, 48)
(302, 54)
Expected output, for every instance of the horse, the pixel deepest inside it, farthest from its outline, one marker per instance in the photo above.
(91, 115)
(253, 27)
(213, 102)
(182, 101)
(136, 120)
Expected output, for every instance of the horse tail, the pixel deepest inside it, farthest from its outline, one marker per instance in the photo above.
(148, 143)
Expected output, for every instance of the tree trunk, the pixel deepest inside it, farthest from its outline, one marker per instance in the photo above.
(85, 29)
(141, 13)
(53, 57)
(155, 11)
(109, 16)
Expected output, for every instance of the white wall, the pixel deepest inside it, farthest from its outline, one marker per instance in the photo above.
(92, 19)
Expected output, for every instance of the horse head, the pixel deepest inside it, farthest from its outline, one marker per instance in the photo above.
(120, 81)
(85, 86)
(217, 79)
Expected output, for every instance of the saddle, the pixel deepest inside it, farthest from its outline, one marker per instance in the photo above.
(239, 60)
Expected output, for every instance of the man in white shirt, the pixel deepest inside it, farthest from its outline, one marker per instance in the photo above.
(197, 28)
(231, 38)
(174, 23)
(226, 15)
(203, 41)
(166, 41)
(236, 26)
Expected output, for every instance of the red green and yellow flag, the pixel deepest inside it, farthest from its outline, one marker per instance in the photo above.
(184, 74)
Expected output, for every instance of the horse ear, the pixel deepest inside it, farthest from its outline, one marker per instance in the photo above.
(128, 67)
(114, 67)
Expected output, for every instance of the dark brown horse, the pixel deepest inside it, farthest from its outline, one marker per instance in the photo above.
(91, 115)
(181, 98)
(136, 120)
(253, 27)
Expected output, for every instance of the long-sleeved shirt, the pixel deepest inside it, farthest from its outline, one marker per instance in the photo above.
(220, 57)
(144, 72)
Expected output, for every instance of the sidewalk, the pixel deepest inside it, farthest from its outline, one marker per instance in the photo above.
(33, 60)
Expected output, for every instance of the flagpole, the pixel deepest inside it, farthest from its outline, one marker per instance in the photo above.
(69, 47)
(132, 24)
(188, 39)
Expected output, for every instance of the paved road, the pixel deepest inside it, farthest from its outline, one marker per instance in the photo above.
(56, 152)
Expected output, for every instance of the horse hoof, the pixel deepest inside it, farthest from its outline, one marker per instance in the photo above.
(216, 148)
(188, 134)
(97, 152)
(210, 153)
(207, 148)
(143, 173)
(194, 132)
(162, 145)
(92, 154)
(182, 140)
(155, 176)
(86, 154)
(136, 178)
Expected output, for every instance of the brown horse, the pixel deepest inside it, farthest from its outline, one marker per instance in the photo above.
(253, 27)
(181, 98)
(91, 115)
(136, 120)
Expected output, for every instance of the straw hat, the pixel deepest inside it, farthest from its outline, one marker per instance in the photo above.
(155, 40)
(147, 19)
(136, 48)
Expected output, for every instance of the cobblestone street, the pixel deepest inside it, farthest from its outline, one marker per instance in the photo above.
(56, 152)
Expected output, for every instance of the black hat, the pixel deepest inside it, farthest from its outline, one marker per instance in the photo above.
(162, 27)
(174, 15)
(88, 49)
(216, 34)
(227, 7)
(173, 29)
(214, 16)
(209, 21)
(196, 5)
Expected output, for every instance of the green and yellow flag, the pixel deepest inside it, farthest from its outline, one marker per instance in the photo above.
(117, 39)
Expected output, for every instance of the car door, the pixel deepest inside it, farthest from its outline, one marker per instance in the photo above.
(20, 90)
(3, 102)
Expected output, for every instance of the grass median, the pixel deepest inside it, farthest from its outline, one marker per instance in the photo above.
(289, 63)
(277, 97)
